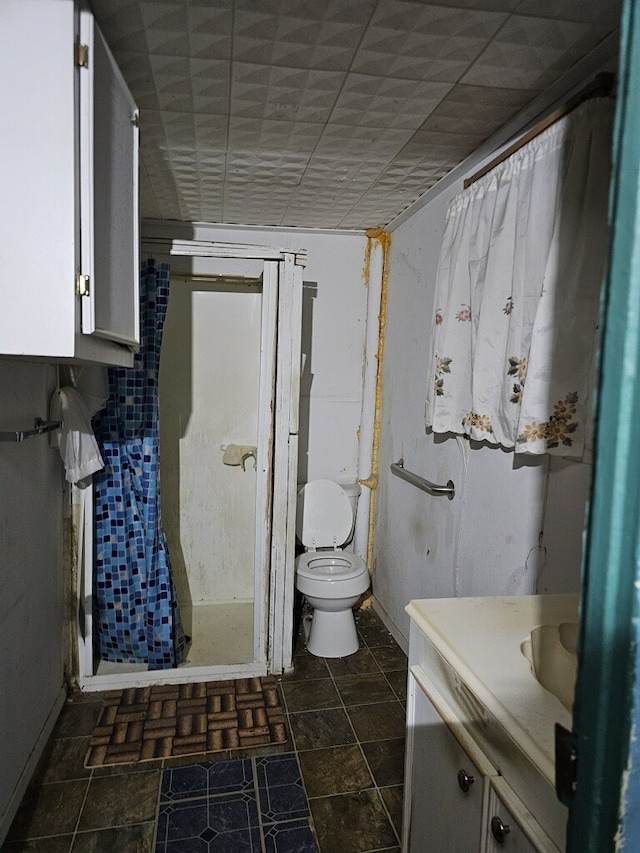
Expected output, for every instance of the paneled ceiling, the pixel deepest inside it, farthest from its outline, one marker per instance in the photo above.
(329, 113)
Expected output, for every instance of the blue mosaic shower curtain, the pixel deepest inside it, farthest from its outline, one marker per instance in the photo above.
(136, 616)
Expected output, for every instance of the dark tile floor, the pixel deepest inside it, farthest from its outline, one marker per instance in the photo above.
(346, 720)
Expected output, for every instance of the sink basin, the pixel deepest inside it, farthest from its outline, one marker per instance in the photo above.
(551, 651)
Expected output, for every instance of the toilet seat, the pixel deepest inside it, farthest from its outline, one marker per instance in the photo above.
(330, 565)
(324, 516)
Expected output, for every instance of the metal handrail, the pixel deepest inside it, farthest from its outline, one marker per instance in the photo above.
(40, 427)
(399, 470)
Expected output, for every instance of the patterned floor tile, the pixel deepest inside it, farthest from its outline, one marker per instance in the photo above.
(212, 808)
(282, 795)
(291, 837)
(206, 819)
(206, 779)
(184, 783)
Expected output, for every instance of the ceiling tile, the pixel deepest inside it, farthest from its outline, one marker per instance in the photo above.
(588, 11)
(437, 146)
(251, 134)
(529, 52)
(342, 139)
(300, 35)
(476, 110)
(424, 42)
(326, 112)
(482, 5)
(288, 94)
(387, 102)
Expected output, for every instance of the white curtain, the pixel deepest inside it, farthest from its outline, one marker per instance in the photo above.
(517, 292)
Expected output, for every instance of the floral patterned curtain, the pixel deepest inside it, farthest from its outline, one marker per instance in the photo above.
(517, 293)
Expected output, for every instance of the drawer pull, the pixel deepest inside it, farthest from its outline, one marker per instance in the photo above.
(499, 829)
(465, 781)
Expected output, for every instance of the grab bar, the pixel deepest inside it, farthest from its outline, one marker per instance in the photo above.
(398, 469)
(39, 428)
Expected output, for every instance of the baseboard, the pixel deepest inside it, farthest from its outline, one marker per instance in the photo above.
(390, 625)
(29, 769)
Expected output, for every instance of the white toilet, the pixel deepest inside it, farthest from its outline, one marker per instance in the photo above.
(332, 580)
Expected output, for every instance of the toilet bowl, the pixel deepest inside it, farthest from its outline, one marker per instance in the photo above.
(331, 580)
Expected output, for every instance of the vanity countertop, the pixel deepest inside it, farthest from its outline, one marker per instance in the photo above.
(479, 663)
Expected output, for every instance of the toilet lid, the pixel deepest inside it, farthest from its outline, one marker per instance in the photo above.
(324, 516)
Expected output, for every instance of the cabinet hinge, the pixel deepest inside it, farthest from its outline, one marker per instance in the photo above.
(82, 55)
(82, 285)
(566, 764)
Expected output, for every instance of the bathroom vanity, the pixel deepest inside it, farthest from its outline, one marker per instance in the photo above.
(480, 765)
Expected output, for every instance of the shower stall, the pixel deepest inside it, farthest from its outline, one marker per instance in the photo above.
(228, 396)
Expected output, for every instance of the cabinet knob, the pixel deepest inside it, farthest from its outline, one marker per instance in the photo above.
(465, 780)
(499, 830)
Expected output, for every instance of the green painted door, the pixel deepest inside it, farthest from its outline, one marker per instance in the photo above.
(604, 814)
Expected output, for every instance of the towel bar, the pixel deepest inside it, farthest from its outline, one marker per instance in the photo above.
(398, 469)
(39, 428)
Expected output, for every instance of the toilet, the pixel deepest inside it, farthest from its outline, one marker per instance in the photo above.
(331, 580)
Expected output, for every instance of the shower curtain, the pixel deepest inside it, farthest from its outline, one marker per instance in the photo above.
(136, 616)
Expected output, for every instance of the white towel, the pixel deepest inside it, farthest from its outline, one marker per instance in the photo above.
(237, 454)
(75, 440)
(92, 381)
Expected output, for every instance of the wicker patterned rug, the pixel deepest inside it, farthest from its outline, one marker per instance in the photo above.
(146, 723)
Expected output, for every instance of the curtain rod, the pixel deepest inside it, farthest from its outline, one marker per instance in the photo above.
(602, 85)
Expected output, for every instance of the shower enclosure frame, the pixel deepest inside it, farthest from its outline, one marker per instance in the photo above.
(278, 422)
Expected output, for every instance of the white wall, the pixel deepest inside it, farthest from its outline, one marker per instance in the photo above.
(31, 598)
(333, 336)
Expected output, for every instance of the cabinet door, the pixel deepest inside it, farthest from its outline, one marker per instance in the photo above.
(446, 788)
(512, 828)
(109, 194)
(37, 178)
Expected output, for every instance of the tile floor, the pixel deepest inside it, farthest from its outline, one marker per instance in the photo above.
(346, 719)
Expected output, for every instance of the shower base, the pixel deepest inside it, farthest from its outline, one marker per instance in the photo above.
(221, 635)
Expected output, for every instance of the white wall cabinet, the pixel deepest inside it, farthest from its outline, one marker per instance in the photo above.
(455, 799)
(69, 177)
